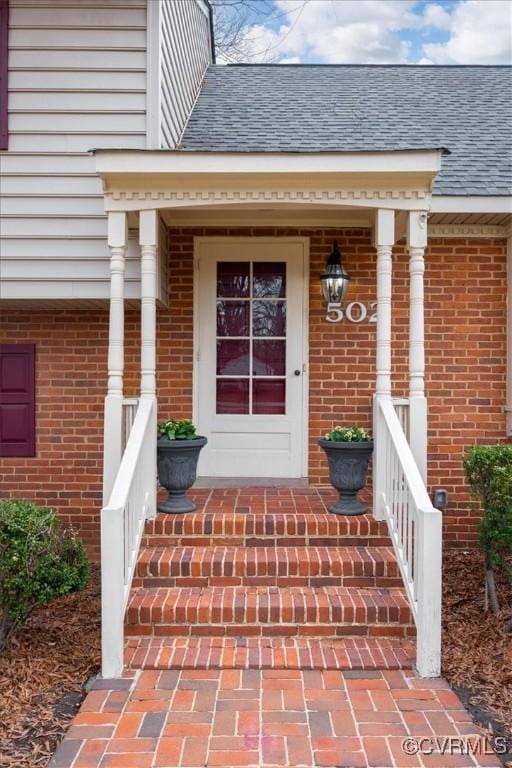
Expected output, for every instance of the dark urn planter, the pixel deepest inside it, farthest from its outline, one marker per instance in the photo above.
(177, 471)
(348, 467)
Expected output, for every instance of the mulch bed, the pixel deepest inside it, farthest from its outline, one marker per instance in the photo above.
(44, 672)
(43, 675)
(477, 653)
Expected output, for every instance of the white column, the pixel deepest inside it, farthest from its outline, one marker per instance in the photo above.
(148, 238)
(384, 237)
(416, 243)
(117, 241)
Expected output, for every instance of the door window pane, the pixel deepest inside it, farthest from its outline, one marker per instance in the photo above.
(233, 278)
(232, 395)
(268, 396)
(232, 318)
(269, 318)
(232, 357)
(269, 279)
(268, 357)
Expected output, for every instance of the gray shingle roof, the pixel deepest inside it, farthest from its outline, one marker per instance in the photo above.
(317, 108)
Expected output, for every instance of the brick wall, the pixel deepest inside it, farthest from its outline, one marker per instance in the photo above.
(465, 339)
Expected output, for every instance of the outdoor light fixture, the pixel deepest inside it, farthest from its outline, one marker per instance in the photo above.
(334, 280)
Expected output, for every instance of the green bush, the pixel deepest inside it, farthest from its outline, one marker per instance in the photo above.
(488, 470)
(177, 430)
(39, 561)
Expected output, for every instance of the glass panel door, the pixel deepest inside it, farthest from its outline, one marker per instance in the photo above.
(251, 338)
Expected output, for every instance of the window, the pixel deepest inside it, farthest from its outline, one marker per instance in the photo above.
(17, 400)
(4, 42)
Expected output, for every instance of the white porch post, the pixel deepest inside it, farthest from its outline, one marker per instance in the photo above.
(117, 241)
(148, 238)
(416, 243)
(384, 237)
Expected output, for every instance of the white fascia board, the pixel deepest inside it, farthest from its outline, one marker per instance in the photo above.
(133, 163)
(471, 204)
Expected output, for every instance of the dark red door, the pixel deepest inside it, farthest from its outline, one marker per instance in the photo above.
(17, 400)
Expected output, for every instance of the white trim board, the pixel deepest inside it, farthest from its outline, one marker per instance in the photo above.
(473, 204)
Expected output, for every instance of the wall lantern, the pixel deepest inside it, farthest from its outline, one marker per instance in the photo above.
(334, 280)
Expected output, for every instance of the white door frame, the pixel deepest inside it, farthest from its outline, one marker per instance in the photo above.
(304, 241)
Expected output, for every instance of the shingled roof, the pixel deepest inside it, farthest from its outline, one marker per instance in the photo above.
(342, 108)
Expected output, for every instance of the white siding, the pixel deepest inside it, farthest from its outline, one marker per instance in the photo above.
(77, 80)
(78, 76)
(185, 54)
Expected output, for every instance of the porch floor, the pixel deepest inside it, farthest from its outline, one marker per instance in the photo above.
(264, 631)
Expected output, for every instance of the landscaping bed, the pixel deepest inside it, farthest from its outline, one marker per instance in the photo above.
(43, 675)
(477, 653)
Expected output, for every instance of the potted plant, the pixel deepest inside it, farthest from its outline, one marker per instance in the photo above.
(178, 449)
(348, 450)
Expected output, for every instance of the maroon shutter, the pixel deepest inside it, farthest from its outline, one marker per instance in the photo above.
(4, 46)
(17, 400)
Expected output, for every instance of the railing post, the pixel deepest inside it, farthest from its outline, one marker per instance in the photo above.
(384, 237)
(148, 236)
(428, 641)
(112, 588)
(416, 242)
(113, 424)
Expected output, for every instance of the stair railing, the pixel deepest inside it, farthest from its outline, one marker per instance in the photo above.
(132, 501)
(415, 529)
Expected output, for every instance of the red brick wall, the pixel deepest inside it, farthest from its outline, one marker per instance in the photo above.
(465, 338)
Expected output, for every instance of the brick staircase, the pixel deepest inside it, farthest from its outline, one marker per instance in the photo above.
(255, 584)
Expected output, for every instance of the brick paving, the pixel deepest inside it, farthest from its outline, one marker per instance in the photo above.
(263, 631)
(352, 653)
(269, 719)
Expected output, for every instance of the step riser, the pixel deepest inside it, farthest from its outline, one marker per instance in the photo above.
(271, 630)
(381, 582)
(272, 540)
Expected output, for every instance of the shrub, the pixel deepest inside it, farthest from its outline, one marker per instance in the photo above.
(488, 470)
(348, 435)
(39, 561)
(177, 430)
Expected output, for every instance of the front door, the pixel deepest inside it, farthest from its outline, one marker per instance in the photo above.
(250, 356)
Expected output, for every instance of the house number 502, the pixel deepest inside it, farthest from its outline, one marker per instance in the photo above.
(355, 312)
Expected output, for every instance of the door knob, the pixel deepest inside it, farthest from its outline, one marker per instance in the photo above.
(296, 372)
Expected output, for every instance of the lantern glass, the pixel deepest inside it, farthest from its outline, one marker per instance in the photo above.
(334, 284)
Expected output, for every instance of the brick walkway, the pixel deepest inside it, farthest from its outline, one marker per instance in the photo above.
(263, 631)
(264, 718)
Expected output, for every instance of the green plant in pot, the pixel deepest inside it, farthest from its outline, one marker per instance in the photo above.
(348, 451)
(178, 449)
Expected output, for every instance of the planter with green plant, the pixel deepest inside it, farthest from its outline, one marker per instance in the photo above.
(178, 448)
(348, 451)
(488, 470)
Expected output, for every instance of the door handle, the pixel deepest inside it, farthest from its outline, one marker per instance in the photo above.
(296, 372)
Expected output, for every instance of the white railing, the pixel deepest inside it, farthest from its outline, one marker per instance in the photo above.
(415, 529)
(133, 499)
(130, 405)
(402, 411)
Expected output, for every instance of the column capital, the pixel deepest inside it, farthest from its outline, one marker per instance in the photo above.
(416, 230)
(117, 229)
(384, 227)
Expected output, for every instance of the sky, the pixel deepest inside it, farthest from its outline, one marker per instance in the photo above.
(376, 32)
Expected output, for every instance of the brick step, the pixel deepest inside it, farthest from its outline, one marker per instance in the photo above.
(267, 566)
(268, 611)
(357, 653)
(263, 529)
